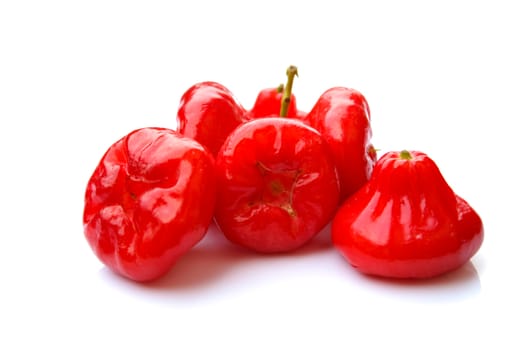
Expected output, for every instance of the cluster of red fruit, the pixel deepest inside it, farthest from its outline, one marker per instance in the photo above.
(273, 177)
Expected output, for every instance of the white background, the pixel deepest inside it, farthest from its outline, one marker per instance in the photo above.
(446, 78)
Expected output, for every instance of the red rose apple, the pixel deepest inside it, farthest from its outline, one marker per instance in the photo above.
(150, 199)
(277, 185)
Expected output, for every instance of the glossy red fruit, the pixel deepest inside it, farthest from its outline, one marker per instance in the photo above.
(150, 199)
(268, 103)
(406, 222)
(207, 113)
(277, 188)
(342, 116)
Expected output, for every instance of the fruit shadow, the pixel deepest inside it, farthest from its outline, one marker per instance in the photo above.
(215, 259)
(458, 285)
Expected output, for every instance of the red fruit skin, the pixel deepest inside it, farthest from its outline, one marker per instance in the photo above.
(207, 113)
(150, 199)
(277, 188)
(406, 222)
(342, 116)
(268, 103)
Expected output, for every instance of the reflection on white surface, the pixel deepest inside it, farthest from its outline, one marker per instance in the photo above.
(217, 265)
(458, 285)
(311, 297)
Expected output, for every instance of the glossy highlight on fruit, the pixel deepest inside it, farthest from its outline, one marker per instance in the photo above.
(407, 222)
(268, 103)
(208, 112)
(277, 188)
(150, 200)
(342, 116)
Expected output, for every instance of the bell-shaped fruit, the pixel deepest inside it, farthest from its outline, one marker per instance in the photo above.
(406, 222)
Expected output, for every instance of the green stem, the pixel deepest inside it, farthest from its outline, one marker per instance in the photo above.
(404, 154)
(291, 72)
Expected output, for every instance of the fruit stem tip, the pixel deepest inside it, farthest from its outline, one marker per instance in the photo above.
(291, 73)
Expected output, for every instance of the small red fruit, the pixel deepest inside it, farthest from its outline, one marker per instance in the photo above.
(342, 116)
(270, 101)
(150, 199)
(207, 113)
(406, 222)
(277, 188)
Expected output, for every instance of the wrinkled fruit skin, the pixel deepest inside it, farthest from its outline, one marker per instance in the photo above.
(406, 222)
(342, 116)
(207, 113)
(150, 199)
(276, 187)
